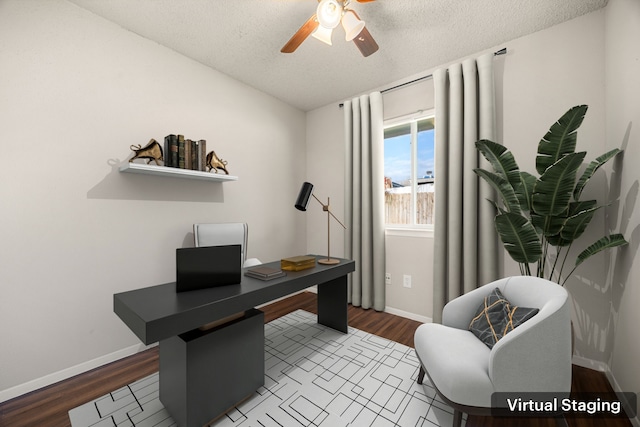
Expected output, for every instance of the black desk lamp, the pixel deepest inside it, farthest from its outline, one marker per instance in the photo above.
(301, 204)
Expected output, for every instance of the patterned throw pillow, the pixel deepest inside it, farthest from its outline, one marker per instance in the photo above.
(496, 317)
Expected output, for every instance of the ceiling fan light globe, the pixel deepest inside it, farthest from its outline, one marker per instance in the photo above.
(352, 25)
(329, 13)
(323, 34)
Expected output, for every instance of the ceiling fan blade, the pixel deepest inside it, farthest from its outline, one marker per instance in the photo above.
(300, 36)
(364, 41)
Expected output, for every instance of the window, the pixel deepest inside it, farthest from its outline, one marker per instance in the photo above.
(409, 171)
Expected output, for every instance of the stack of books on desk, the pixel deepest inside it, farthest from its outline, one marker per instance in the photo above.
(264, 273)
(298, 263)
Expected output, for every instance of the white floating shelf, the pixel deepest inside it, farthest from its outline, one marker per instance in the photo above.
(175, 172)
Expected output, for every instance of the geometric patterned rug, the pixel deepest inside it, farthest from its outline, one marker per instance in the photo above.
(314, 376)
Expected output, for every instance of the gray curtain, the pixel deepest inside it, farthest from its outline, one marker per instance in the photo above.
(364, 199)
(465, 240)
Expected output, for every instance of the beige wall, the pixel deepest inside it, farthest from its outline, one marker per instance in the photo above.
(325, 170)
(544, 75)
(622, 61)
(591, 60)
(76, 91)
(536, 83)
(410, 253)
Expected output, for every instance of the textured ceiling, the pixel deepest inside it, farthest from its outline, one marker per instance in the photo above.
(242, 38)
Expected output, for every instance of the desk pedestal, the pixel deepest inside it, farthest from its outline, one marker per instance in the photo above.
(332, 304)
(203, 374)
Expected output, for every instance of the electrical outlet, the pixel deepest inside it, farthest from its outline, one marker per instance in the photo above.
(387, 278)
(406, 281)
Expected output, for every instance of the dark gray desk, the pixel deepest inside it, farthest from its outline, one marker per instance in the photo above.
(224, 364)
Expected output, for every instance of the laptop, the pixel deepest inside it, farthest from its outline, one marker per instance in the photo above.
(208, 267)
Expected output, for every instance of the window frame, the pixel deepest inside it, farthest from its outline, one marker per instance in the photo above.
(413, 229)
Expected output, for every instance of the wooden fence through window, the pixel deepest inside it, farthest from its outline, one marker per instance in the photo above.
(398, 208)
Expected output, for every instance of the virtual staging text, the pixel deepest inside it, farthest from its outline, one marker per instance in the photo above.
(606, 405)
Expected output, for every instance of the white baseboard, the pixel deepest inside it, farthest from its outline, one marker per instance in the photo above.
(64, 374)
(604, 368)
(391, 310)
(635, 421)
(408, 315)
(589, 364)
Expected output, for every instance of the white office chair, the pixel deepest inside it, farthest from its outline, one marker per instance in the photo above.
(224, 234)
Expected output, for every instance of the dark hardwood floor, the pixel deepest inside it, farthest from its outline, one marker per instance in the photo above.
(49, 406)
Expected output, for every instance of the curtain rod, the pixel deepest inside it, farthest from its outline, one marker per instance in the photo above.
(502, 51)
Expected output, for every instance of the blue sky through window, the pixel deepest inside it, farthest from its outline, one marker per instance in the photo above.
(397, 156)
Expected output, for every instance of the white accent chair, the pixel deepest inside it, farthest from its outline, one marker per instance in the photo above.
(534, 357)
(235, 233)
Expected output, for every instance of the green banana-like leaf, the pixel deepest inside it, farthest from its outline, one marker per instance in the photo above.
(577, 223)
(538, 221)
(591, 169)
(503, 188)
(604, 243)
(552, 226)
(552, 192)
(525, 190)
(519, 237)
(501, 159)
(558, 241)
(561, 138)
(579, 206)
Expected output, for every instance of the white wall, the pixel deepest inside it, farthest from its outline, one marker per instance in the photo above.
(544, 75)
(410, 253)
(325, 170)
(622, 61)
(76, 91)
(536, 82)
(593, 60)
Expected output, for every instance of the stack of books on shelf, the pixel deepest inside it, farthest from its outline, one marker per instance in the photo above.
(185, 153)
(298, 263)
(264, 273)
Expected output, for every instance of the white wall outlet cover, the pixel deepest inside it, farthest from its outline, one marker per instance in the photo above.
(406, 281)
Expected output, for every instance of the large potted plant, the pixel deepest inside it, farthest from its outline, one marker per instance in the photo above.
(538, 213)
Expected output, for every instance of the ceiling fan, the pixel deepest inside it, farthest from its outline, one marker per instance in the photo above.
(329, 14)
